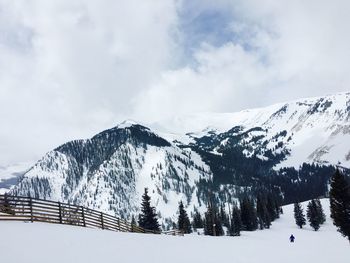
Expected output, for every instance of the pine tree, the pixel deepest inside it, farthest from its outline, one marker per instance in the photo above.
(320, 211)
(218, 226)
(278, 209)
(197, 220)
(299, 215)
(183, 221)
(248, 214)
(272, 207)
(262, 213)
(209, 222)
(148, 217)
(340, 203)
(236, 223)
(313, 215)
(213, 225)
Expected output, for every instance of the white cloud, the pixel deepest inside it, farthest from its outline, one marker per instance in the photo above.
(223, 76)
(280, 50)
(69, 69)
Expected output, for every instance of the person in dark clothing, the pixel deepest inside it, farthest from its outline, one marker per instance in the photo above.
(291, 238)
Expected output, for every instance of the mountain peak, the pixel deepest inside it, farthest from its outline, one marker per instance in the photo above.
(128, 123)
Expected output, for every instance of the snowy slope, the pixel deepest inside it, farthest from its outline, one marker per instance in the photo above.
(317, 129)
(38, 242)
(110, 172)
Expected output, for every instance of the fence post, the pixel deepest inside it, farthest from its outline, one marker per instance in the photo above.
(60, 212)
(118, 221)
(31, 209)
(83, 215)
(102, 225)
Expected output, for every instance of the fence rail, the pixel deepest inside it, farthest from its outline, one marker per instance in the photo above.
(18, 208)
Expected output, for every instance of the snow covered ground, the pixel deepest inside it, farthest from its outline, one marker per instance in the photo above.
(36, 242)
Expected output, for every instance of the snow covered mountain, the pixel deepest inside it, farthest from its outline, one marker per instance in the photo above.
(225, 154)
(110, 171)
(313, 130)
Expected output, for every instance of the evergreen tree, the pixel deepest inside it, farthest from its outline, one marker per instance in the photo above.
(218, 226)
(299, 215)
(248, 214)
(340, 203)
(313, 215)
(209, 222)
(236, 223)
(272, 207)
(148, 217)
(320, 211)
(183, 221)
(213, 226)
(278, 209)
(197, 220)
(262, 213)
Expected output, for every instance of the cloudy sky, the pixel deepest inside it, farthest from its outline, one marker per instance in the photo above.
(69, 69)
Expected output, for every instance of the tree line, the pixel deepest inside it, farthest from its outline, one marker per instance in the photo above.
(250, 213)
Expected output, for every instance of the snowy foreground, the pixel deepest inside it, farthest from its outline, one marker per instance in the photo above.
(38, 242)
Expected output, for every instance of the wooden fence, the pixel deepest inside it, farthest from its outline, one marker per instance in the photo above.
(18, 208)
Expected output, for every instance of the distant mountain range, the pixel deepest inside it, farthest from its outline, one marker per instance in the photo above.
(289, 148)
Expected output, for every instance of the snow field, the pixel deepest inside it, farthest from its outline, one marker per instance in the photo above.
(38, 242)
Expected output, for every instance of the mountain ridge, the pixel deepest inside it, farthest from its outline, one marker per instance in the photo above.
(290, 149)
(303, 119)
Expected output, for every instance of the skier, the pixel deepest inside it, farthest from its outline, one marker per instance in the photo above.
(291, 238)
